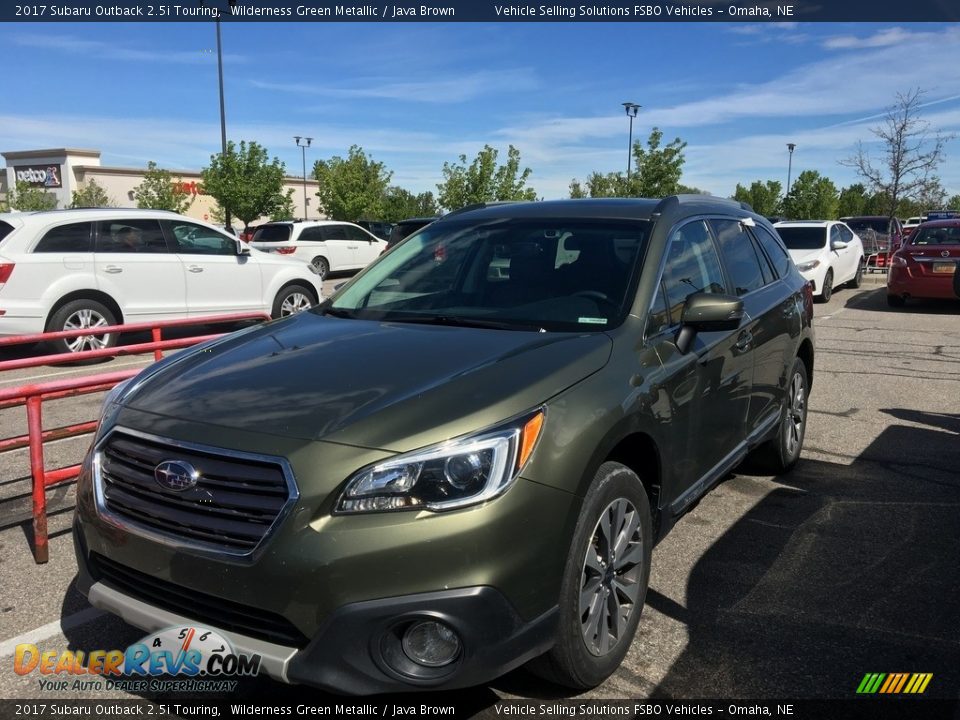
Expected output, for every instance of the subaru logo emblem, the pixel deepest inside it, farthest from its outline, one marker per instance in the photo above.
(176, 475)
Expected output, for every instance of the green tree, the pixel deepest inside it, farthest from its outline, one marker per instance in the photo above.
(91, 195)
(763, 197)
(246, 182)
(27, 198)
(352, 188)
(690, 190)
(812, 197)
(954, 202)
(285, 210)
(399, 204)
(854, 200)
(911, 153)
(657, 171)
(161, 191)
(483, 180)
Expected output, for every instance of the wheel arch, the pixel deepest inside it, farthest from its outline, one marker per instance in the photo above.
(302, 283)
(95, 295)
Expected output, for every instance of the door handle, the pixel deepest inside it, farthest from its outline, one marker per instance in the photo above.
(744, 341)
(112, 269)
(194, 268)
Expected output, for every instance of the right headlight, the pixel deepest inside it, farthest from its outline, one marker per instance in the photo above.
(452, 475)
(810, 265)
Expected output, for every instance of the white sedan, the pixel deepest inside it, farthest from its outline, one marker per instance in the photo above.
(826, 252)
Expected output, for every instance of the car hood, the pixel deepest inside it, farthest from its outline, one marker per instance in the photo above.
(371, 384)
(802, 256)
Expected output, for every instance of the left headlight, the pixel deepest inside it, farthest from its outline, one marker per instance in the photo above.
(448, 476)
(810, 265)
(109, 401)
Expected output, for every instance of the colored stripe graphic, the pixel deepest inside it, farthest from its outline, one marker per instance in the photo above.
(894, 683)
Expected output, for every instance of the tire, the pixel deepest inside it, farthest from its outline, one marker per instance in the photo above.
(78, 314)
(858, 276)
(826, 292)
(586, 653)
(291, 300)
(780, 453)
(322, 266)
(896, 301)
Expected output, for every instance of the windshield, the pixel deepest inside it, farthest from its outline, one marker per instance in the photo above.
(272, 233)
(878, 226)
(937, 236)
(522, 274)
(803, 238)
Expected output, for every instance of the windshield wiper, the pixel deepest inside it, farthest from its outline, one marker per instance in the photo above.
(340, 312)
(462, 321)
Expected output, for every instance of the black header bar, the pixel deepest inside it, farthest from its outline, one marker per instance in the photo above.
(741, 11)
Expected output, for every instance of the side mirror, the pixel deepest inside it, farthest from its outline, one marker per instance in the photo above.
(838, 245)
(242, 248)
(707, 312)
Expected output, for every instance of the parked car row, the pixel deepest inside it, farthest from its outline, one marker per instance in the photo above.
(327, 245)
(76, 269)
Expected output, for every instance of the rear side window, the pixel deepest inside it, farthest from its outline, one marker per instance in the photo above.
(131, 236)
(310, 234)
(774, 249)
(739, 256)
(334, 232)
(355, 233)
(72, 238)
(5, 229)
(272, 233)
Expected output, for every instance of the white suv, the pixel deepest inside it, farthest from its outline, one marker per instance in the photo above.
(328, 245)
(71, 269)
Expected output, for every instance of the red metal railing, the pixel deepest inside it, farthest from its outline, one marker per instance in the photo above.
(32, 396)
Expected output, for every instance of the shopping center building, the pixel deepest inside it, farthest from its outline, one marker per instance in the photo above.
(61, 171)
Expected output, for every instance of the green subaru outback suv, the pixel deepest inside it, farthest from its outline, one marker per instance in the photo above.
(460, 462)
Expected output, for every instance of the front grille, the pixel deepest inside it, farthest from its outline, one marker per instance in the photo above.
(234, 503)
(225, 614)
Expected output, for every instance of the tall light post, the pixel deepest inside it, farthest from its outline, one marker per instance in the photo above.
(223, 113)
(790, 147)
(632, 109)
(303, 149)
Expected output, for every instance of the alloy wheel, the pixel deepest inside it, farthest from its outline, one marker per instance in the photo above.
(294, 303)
(82, 320)
(609, 583)
(796, 415)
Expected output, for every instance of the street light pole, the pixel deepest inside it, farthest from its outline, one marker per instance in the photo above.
(303, 149)
(223, 116)
(790, 147)
(632, 109)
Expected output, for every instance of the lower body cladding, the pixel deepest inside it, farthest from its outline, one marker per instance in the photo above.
(450, 634)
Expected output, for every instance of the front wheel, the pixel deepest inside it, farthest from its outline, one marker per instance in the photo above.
(604, 583)
(322, 266)
(82, 315)
(292, 299)
(826, 292)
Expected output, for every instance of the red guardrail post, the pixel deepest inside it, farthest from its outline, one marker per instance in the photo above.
(41, 552)
(156, 334)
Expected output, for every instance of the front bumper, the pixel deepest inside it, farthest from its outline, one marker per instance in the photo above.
(318, 599)
(348, 655)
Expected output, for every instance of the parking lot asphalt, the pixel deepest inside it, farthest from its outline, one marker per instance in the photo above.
(789, 587)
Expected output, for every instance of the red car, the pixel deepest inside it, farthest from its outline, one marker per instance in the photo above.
(926, 265)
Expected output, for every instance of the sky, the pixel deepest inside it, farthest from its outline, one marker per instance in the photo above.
(414, 96)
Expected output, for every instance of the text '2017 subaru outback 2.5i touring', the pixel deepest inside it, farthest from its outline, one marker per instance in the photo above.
(461, 461)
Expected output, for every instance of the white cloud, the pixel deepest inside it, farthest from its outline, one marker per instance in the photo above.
(439, 90)
(884, 38)
(73, 45)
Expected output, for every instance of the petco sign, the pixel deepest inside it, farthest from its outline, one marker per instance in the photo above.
(39, 175)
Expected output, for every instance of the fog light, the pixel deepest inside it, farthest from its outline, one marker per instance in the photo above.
(431, 643)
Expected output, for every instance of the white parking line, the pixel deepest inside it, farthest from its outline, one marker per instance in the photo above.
(57, 627)
(31, 378)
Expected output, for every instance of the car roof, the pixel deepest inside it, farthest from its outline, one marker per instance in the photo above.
(43, 217)
(614, 208)
(947, 222)
(407, 221)
(805, 223)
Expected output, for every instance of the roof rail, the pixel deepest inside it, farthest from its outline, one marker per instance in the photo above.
(99, 209)
(480, 206)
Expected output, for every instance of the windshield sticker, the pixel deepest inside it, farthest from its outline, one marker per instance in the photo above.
(592, 320)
